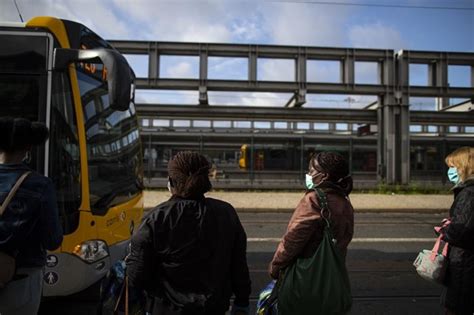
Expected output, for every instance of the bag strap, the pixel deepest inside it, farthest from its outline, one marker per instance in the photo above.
(324, 205)
(435, 250)
(12, 192)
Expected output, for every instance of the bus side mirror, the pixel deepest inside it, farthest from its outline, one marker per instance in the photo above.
(120, 76)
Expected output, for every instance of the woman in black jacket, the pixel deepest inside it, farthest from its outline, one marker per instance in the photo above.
(458, 296)
(189, 254)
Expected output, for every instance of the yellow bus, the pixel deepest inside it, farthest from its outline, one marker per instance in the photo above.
(63, 74)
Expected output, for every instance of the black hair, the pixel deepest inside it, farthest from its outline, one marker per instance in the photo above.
(17, 134)
(337, 168)
(189, 174)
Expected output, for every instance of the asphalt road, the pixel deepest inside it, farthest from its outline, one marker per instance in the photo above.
(379, 260)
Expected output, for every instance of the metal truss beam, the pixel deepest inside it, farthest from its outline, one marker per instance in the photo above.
(392, 88)
(259, 86)
(442, 118)
(254, 113)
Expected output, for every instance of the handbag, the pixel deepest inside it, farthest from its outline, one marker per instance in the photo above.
(319, 284)
(430, 264)
(267, 300)
(7, 261)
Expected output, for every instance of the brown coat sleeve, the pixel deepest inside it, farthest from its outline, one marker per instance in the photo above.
(299, 231)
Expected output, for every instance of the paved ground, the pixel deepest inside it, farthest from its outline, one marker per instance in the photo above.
(379, 261)
(286, 201)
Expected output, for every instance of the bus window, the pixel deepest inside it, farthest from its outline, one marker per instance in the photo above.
(23, 81)
(115, 173)
(64, 153)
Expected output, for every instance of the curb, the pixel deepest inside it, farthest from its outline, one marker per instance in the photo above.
(364, 210)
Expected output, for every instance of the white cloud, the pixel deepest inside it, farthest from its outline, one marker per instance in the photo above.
(177, 21)
(305, 24)
(97, 15)
(376, 36)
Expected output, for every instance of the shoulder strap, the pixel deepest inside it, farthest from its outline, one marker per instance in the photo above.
(325, 211)
(12, 192)
(322, 198)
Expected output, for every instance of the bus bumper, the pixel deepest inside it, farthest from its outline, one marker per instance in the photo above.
(66, 274)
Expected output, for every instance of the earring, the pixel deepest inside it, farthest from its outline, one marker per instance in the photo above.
(27, 158)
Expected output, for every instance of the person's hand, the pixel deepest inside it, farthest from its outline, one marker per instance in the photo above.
(239, 310)
(446, 222)
(440, 229)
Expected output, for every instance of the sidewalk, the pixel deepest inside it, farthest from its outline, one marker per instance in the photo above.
(287, 201)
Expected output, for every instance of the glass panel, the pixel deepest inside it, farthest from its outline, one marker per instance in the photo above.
(114, 176)
(453, 129)
(425, 158)
(433, 129)
(415, 128)
(321, 126)
(342, 126)
(161, 123)
(242, 124)
(181, 123)
(65, 168)
(302, 125)
(280, 125)
(364, 160)
(221, 124)
(202, 123)
(262, 124)
(23, 53)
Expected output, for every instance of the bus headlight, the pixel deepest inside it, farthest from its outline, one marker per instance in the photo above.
(91, 251)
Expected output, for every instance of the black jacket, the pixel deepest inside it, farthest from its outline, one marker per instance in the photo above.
(459, 295)
(30, 225)
(190, 256)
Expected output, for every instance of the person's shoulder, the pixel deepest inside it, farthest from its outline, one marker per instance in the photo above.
(310, 196)
(38, 182)
(219, 203)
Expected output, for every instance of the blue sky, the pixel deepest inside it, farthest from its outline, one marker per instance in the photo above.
(266, 22)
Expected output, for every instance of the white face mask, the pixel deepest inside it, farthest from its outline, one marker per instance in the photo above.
(309, 181)
(169, 186)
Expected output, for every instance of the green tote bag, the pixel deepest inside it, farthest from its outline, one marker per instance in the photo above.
(318, 285)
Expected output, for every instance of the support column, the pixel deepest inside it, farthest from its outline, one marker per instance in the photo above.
(439, 78)
(153, 63)
(300, 77)
(203, 98)
(347, 73)
(252, 70)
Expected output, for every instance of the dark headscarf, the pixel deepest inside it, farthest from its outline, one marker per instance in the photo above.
(189, 174)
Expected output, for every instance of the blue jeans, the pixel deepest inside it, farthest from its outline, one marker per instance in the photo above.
(23, 296)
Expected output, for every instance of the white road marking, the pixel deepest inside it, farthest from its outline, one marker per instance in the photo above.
(357, 240)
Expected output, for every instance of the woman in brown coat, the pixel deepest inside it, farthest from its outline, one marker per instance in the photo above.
(329, 172)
